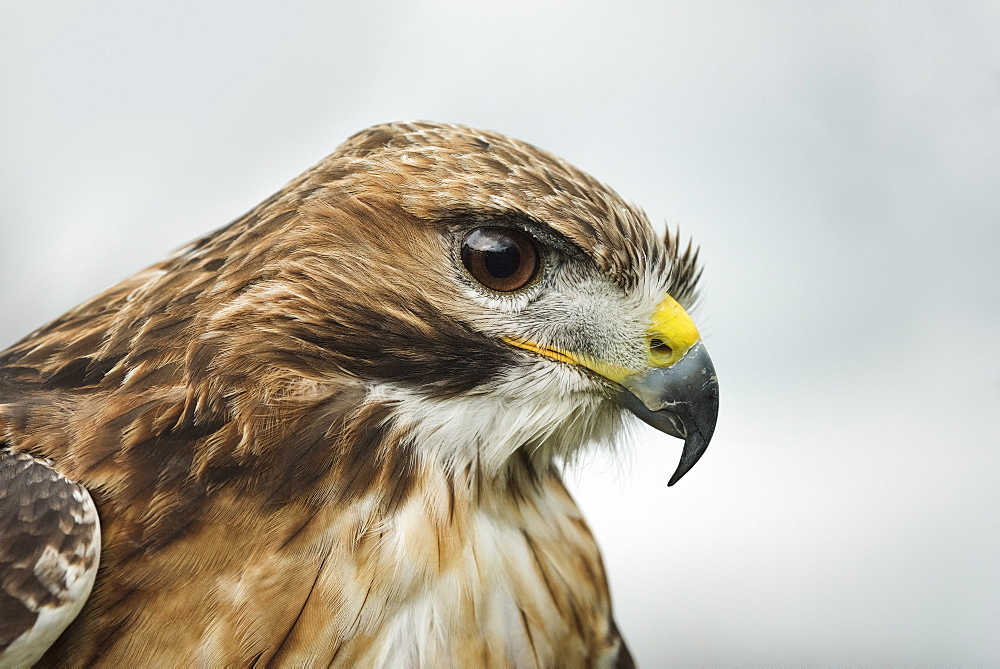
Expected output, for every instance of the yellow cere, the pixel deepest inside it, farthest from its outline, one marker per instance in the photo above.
(670, 334)
(675, 331)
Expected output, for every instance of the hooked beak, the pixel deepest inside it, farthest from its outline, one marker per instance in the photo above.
(681, 400)
(676, 392)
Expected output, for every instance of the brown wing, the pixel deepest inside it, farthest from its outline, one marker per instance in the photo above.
(49, 552)
(624, 659)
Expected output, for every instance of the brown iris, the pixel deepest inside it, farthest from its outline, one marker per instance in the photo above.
(502, 259)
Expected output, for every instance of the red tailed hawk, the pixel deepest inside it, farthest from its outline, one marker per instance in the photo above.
(331, 432)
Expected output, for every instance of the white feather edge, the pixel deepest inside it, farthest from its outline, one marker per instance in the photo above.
(76, 587)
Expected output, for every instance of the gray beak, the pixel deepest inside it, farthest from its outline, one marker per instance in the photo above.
(681, 400)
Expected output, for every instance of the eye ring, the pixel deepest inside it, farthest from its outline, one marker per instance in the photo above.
(502, 259)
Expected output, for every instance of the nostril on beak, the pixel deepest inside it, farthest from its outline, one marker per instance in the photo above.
(660, 348)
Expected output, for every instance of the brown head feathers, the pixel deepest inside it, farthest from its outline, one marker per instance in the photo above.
(229, 386)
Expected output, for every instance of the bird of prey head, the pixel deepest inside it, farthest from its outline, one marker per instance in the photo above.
(331, 431)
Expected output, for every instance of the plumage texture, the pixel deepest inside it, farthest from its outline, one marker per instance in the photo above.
(307, 439)
(50, 539)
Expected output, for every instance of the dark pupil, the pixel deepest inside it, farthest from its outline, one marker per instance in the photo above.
(502, 258)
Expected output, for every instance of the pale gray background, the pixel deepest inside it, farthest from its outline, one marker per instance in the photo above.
(838, 162)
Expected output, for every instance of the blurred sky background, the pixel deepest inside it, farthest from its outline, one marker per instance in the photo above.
(838, 162)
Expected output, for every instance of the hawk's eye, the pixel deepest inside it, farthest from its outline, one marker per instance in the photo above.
(502, 259)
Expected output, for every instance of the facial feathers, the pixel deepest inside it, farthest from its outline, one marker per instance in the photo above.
(309, 438)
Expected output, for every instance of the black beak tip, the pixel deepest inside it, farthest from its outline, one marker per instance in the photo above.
(695, 446)
(681, 400)
(694, 427)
